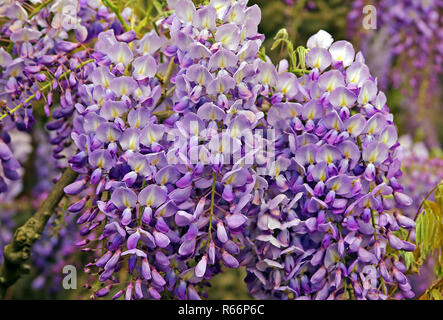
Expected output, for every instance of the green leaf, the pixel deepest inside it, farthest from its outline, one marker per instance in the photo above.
(429, 230)
(435, 295)
(408, 258)
(419, 230)
(158, 6)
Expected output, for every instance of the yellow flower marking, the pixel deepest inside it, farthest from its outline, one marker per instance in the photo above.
(126, 202)
(310, 158)
(200, 79)
(132, 143)
(124, 90)
(100, 162)
(267, 78)
(222, 63)
(351, 127)
(139, 167)
(115, 113)
(14, 72)
(286, 88)
(323, 176)
(150, 200)
(335, 186)
(328, 157)
(225, 39)
(230, 179)
(146, 47)
(121, 58)
(277, 169)
(373, 156)
(164, 179)
(151, 137)
(110, 135)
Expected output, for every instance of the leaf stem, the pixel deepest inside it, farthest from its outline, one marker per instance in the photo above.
(301, 71)
(168, 75)
(114, 9)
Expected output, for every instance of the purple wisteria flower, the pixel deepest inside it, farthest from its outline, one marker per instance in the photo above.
(168, 188)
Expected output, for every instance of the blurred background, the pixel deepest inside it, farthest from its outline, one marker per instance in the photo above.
(402, 42)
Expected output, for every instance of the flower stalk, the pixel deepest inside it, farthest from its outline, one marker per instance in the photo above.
(114, 9)
(211, 207)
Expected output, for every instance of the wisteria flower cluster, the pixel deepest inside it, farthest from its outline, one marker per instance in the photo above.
(165, 207)
(195, 153)
(43, 67)
(19, 145)
(326, 229)
(39, 64)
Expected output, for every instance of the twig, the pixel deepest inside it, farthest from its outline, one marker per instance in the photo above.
(435, 285)
(18, 251)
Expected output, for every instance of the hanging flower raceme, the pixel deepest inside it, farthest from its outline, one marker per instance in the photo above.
(326, 229)
(40, 64)
(178, 187)
(43, 66)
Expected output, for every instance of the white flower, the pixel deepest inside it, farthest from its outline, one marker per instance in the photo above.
(321, 39)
